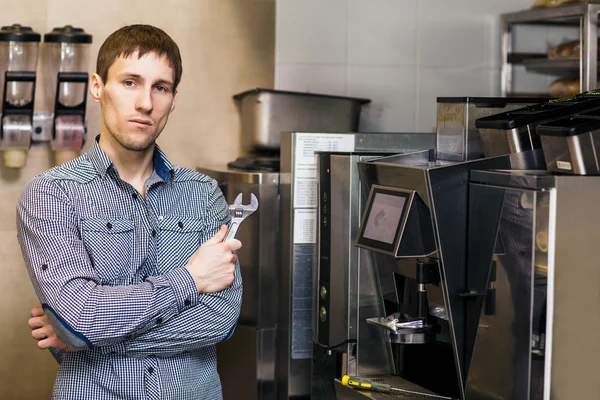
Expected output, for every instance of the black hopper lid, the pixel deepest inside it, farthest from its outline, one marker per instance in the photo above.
(539, 113)
(571, 126)
(67, 34)
(18, 33)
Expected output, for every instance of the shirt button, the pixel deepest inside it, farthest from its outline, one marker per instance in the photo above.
(109, 225)
(44, 267)
(153, 233)
(180, 224)
(134, 195)
(150, 369)
(187, 302)
(159, 320)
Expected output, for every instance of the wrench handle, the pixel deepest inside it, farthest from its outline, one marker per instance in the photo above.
(232, 231)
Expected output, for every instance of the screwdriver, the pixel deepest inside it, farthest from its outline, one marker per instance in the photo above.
(367, 384)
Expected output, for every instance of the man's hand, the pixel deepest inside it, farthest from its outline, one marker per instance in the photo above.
(42, 331)
(213, 265)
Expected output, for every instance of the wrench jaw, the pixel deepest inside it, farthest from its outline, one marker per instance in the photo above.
(253, 203)
(239, 212)
(238, 200)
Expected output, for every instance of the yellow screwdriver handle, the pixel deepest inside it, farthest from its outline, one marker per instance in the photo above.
(365, 384)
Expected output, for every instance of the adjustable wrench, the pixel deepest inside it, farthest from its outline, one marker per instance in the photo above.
(239, 213)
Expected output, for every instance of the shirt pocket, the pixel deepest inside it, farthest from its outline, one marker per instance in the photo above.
(178, 240)
(109, 244)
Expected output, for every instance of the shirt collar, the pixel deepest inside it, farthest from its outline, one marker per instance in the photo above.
(101, 162)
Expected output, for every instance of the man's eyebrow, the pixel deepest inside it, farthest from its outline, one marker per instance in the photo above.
(129, 75)
(166, 82)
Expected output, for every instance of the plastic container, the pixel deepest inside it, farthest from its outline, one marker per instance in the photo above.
(19, 47)
(457, 137)
(66, 49)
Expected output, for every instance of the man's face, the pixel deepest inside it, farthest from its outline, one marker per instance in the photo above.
(136, 100)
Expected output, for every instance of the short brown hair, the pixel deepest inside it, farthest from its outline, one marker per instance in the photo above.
(143, 39)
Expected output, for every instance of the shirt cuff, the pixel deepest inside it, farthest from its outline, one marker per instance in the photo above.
(184, 288)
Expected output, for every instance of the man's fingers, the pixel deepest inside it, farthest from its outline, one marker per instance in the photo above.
(37, 311)
(37, 322)
(41, 333)
(218, 237)
(43, 344)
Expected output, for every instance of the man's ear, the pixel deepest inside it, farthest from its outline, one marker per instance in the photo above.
(173, 104)
(96, 87)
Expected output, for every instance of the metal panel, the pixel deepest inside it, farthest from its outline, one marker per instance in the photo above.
(501, 362)
(540, 342)
(246, 362)
(573, 291)
(259, 236)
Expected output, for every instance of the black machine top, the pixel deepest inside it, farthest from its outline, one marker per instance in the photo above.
(256, 163)
(539, 113)
(67, 34)
(571, 126)
(18, 33)
(492, 102)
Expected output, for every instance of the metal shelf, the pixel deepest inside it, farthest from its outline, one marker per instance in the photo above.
(529, 95)
(520, 58)
(583, 15)
(555, 67)
(565, 14)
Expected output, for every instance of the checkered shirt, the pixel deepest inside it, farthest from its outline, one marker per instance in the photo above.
(108, 266)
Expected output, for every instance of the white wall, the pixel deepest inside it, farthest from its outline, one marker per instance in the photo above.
(402, 54)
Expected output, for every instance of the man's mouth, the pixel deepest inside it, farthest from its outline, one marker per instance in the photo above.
(141, 121)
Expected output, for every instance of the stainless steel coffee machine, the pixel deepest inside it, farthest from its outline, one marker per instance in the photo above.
(415, 226)
(480, 266)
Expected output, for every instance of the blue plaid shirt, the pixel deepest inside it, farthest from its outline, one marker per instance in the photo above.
(109, 269)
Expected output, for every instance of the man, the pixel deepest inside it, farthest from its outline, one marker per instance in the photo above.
(112, 241)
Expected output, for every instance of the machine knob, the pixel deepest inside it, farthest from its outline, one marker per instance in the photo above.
(323, 314)
(323, 292)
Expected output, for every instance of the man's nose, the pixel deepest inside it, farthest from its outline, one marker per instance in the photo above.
(144, 101)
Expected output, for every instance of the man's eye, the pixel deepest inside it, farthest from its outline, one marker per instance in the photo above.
(129, 83)
(161, 88)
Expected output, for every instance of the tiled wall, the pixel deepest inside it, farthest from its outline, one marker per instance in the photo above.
(227, 47)
(400, 53)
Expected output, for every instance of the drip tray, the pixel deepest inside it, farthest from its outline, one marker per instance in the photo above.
(256, 163)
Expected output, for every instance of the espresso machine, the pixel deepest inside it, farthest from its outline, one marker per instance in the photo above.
(479, 263)
(415, 227)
